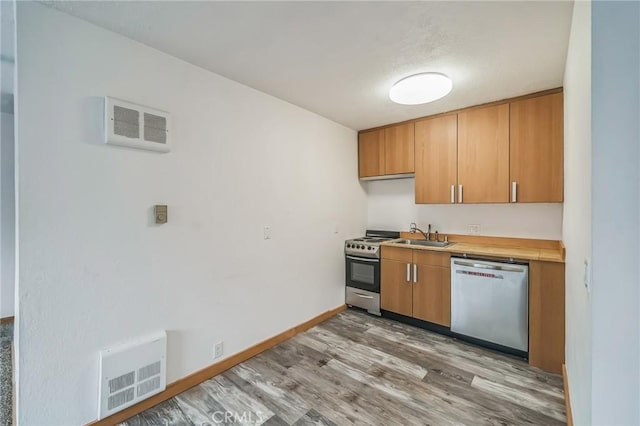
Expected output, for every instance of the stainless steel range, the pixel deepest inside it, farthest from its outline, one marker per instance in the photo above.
(363, 269)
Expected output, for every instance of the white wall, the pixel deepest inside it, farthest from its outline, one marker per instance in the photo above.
(616, 213)
(7, 183)
(391, 205)
(93, 269)
(576, 226)
(7, 217)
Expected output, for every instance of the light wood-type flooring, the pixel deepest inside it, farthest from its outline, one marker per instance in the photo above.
(359, 369)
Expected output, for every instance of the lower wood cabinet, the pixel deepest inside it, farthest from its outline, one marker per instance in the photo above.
(546, 315)
(396, 288)
(416, 283)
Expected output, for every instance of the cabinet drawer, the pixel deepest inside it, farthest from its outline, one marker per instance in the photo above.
(397, 253)
(433, 258)
(363, 299)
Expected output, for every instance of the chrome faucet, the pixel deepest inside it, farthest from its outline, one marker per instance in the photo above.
(413, 228)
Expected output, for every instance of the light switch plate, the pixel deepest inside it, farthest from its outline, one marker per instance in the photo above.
(267, 232)
(474, 229)
(160, 213)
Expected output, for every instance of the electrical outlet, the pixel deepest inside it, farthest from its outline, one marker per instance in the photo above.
(267, 232)
(474, 229)
(218, 350)
(587, 274)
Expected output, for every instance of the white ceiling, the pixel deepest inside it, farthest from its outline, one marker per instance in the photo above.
(339, 59)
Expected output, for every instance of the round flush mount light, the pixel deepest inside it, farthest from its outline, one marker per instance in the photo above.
(420, 88)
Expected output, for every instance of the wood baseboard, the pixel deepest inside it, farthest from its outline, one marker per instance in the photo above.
(206, 373)
(6, 320)
(567, 399)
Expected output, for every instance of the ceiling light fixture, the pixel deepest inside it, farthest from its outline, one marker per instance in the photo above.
(420, 88)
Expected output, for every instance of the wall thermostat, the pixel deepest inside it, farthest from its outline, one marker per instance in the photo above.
(160, 213)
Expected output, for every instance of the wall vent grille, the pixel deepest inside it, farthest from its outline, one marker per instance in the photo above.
(136, 126)
(132, 372)
(148, 386)
(149, 370)
(126, 122)
(121, 382)
(120, 398)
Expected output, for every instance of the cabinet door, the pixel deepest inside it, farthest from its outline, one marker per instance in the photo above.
(371, 153)
(395, 289)
(432, 294)
(436, 152)
(398, 147)
(483, 154)
(546, 315)
(536, 128)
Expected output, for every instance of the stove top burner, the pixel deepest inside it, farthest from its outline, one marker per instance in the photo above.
(371, 239)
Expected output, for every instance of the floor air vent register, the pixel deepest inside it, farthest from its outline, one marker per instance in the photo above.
(131, 373)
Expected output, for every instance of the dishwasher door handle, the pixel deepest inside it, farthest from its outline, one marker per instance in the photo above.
(481, 265)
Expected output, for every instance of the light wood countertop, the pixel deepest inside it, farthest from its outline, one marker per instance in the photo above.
(523, 249)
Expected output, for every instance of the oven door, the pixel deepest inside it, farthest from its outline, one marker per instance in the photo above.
(363, 273)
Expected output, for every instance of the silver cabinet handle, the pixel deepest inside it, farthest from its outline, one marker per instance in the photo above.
(453, 194)
(460, 193)
(364, 296)
(415, 273)
(514, 189)
(408, 272)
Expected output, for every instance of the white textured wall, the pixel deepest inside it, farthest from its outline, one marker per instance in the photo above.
(576, 227)
(391, 205)
(7, 217)
(7, 183)
(93, 270)
(615, 339)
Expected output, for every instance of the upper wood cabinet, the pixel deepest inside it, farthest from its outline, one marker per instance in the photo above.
(436, 159)
(536, 145)
(371, 153)
(398, 145)
(483, 155)
(508, 151)
(387, 151)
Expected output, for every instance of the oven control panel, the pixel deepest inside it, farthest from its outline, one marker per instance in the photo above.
(362, 249)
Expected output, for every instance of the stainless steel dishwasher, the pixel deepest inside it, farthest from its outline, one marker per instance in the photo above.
(489, 301)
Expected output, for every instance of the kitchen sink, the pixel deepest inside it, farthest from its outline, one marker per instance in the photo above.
(423, 243)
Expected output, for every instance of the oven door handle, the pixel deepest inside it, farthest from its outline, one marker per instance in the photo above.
(360, 259)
